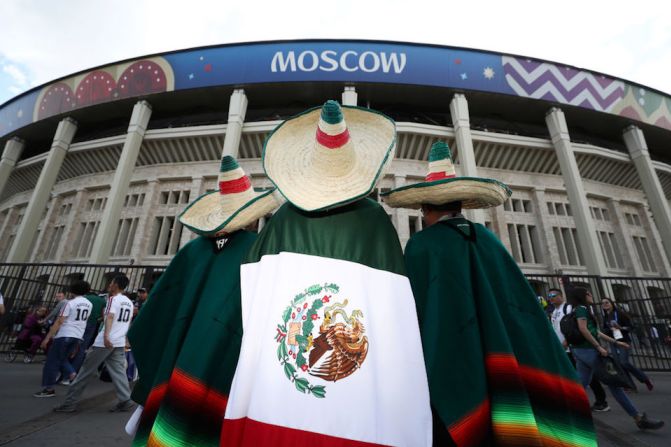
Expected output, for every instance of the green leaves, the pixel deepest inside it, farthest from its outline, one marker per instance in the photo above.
(333, 288)
(281, 351)
(300, 360)
(318, 391)
(301, 384)
(286, 314)
(289, 370)
(313, 290)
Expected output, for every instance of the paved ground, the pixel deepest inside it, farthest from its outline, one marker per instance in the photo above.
(29, 422)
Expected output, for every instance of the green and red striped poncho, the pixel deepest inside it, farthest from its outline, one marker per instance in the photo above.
(186, 342)
(497, 374)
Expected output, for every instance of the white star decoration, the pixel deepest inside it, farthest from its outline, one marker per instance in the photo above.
(488, 73)
(463, 76)
(190, 75)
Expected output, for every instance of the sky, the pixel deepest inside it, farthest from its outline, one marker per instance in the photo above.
(42, 40)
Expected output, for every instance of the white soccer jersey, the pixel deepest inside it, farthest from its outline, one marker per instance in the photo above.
(76, 312)
(122, 309)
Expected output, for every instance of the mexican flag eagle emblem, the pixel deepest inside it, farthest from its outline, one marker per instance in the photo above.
(318, 337)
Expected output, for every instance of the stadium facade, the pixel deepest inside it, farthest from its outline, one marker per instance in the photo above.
(97, 165)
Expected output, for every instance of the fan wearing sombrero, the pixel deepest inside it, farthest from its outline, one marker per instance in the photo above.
(497, 373)
(331, 352)
(186, 338)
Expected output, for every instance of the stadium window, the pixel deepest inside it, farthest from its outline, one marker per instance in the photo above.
(528, 207)
(514, 243)
(616, 250)
(568, 209)
(184, 197)
(133, 200)
(166, 235)
(629, 219)
(517, 205)
(637, 220)
(126, 200)
(641, 255)
(174, 197)
(597, 213)
(140, 200)
(536, 244)
(551, 208)
(561, 211)
(507, 205)
(163, 200)
(606, 215)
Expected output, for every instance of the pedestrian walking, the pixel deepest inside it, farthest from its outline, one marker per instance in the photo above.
(617, 324)
(67, 332)
(108, 347)
(588, 351)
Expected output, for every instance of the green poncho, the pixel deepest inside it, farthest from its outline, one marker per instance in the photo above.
(186, 342)
(497, 374)
(331, 353)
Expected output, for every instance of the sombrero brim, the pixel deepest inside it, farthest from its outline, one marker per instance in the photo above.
(472, 192)
(288, 159)
(207, 216)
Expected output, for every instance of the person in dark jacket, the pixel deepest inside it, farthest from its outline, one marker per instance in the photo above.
(32, 332)
(617, 324)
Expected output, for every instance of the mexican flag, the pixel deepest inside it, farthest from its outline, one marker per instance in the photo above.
(331, 352)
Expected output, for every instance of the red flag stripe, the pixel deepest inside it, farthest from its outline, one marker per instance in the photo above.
(332, 141)
(472, 428)
(248, 432)
(438, 176)
(234, 186)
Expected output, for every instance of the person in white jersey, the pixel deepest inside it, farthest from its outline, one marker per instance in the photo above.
(67, 332)
(109, 347)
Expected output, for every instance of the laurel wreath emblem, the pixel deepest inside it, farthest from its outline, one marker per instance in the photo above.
(306, 305)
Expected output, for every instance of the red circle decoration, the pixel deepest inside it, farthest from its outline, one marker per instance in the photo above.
(141, 78)
(58, 98)
(98, 86)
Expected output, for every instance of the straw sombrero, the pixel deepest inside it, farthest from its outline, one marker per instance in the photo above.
(235, 205)
(329, 156)
(442, 185)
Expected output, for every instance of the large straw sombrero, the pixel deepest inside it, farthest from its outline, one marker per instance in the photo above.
(235, 205)
(329, 156)
(442, 185)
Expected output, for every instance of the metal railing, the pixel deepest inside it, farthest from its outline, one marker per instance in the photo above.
(27, 286)
(647, 300)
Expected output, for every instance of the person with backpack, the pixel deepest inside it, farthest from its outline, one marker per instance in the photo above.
(616, 324)
(588, 349)
(561, 309)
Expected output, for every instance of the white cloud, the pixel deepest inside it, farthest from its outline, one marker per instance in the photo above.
(14, 72)
(55, 39)
(14, 90)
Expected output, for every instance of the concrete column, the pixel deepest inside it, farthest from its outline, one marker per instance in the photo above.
(623, 237)
(70, 232)
(638, 150)
(4, 231)
(10, 156)
(102, 247)
(661, 261)
(237, 109)
(462, 131)
(47, 231)
(501, 225)
(197, 189)
(550, 251)
(585, 227)
(38, 201)
(349, 96)
(139, 249)
(401, 215)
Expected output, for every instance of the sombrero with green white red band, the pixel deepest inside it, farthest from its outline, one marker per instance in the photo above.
(233, 206)
(441, 185)
(329, 156)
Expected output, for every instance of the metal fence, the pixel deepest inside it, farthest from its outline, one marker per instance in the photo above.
(27, 286)
(647, 300)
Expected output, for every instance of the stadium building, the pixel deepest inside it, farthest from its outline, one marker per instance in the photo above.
(97, 165)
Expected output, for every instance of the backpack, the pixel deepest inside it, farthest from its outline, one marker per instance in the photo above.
(569, 328)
